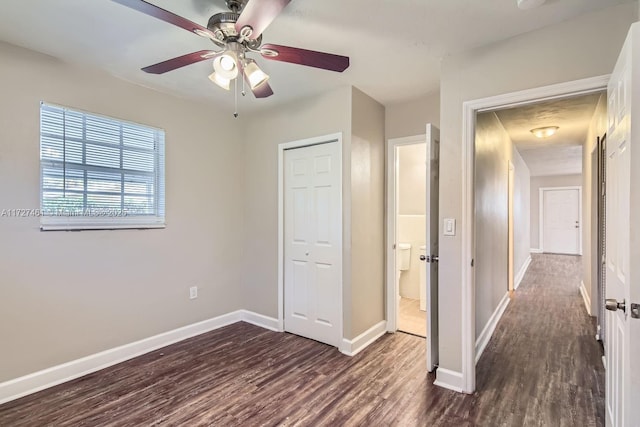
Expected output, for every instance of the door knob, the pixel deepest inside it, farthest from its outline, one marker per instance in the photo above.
(614, 305)
(423, 258)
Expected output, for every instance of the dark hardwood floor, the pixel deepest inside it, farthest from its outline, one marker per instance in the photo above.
(542, 368)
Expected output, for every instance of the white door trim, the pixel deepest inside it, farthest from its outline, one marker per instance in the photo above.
(470, 109)
(511, 191)
(541, 191)
(390, 253)
(337, 138)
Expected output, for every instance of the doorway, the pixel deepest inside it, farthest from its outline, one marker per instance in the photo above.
(470, 110)
(411, 181)
(412, 238)
(310, 244)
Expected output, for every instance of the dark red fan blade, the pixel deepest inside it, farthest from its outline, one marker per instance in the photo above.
(258, 14)
(166, 16)
(310, 58)
(179, 62)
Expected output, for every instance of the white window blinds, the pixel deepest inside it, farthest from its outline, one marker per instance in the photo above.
(98, 172)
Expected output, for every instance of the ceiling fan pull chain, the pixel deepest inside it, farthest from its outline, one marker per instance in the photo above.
(235, 94)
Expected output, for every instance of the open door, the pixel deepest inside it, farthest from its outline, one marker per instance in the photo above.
(622, 350)
(431, 253)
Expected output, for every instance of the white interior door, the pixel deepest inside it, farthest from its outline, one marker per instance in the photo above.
(622, 349)
(432, 239)
(313, 242)
(561, 220)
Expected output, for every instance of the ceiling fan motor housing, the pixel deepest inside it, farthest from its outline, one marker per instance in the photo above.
(236, 5)
(223, 26)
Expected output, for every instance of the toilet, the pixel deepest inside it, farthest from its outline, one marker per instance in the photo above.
(403, 263)
(404, 256)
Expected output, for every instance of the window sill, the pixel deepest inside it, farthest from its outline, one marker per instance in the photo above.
(79, 224)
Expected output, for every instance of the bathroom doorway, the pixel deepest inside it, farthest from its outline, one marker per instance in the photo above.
(411, 182)
(412, 238)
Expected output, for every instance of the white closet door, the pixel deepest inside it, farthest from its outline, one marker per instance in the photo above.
(313, 242)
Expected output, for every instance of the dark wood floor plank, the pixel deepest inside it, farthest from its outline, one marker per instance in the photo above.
(542, 367)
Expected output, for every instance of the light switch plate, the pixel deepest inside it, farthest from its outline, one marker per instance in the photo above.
(449, 227)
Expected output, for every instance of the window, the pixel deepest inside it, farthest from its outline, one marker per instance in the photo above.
(99, 173)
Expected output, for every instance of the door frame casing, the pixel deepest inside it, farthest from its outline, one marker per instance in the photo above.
(541, 191)
(325, 139)
(511, 278)
(392, 226)
(470, 109)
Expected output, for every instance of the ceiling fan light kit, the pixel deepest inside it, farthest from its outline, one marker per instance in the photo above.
(530, 4)
(220, 81)
(254, 74)
(238, 33)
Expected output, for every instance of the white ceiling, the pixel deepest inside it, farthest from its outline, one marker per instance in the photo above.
(395, 45)
(561, 153)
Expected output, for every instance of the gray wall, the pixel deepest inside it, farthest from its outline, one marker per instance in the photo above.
(538, 182)
(65, 295)
(262, 133)
(521, 212)
(361, 121)
(367, 214)
(572, 50)
(493, 152)
(410, 118)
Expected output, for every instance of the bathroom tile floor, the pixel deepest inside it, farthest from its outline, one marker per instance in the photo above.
(411, 319)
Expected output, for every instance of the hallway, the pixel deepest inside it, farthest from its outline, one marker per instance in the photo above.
(543, 365)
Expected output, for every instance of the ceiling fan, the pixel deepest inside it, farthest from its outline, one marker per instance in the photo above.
(238, 33)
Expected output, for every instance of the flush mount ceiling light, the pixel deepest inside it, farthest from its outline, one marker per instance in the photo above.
(529, 4)
(238, 33)
(545, 132)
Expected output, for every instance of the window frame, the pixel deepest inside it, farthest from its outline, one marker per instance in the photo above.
(103, 220)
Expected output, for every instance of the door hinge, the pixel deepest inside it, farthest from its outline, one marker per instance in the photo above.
(472, 262)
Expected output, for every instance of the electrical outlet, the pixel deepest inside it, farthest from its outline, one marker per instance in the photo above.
(193, 292)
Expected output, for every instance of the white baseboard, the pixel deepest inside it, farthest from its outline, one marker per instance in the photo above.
(487, 332)
(31, 383)
(521, 273)
(265, 322)
(362, 341)
(535, 251)
(585, 297)
(448, 379)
